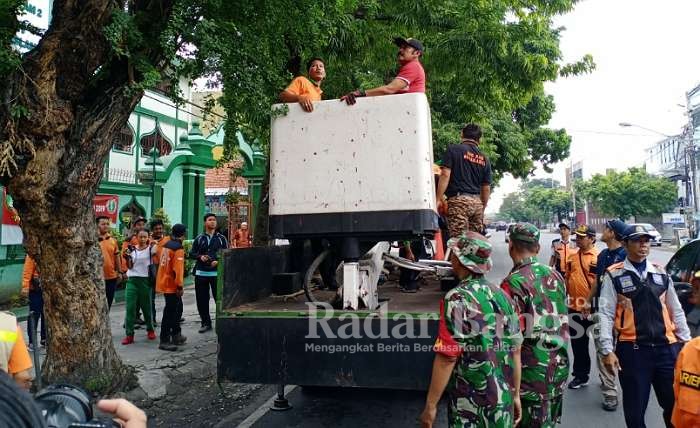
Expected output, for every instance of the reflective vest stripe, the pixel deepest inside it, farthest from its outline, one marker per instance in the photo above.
(8, 336)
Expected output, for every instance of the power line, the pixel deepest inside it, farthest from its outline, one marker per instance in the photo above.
(622, 134)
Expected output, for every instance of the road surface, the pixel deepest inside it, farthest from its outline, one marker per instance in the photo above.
(323, 407)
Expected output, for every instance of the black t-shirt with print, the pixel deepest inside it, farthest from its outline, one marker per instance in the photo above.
(470, 169)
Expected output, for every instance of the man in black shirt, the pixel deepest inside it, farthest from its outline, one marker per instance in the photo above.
(465, 179)
(205, 249)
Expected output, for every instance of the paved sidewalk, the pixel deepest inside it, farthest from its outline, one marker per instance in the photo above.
(162, 372)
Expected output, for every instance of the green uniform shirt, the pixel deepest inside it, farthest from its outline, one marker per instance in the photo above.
(539, 294)
(479, 326)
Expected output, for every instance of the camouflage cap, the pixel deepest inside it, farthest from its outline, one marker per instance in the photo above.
(525, 232)
(473, 251)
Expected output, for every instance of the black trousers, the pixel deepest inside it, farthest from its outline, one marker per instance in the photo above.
(179, 308)
(202, 284)
(408, 279)
(644, 367)
(110, 288)
(153, 302)
(36, 305)
(169, 324)
(579, 328)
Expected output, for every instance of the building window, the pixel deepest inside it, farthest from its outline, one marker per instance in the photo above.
(156, 139)
(124, 141)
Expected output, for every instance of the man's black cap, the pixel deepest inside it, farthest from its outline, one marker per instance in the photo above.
(139, 219)
(178, 230)
(416, 44)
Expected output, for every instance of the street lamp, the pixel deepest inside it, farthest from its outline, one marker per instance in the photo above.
(632, 125)
(155, 153)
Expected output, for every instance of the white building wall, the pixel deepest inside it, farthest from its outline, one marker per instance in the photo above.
(118, 160)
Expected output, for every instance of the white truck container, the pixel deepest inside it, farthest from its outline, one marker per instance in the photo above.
(361, 170)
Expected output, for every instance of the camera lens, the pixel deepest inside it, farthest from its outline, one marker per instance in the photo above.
(63, 405)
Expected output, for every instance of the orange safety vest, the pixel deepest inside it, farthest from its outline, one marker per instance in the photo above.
(8, 338)
(686, 386)
(561, 254)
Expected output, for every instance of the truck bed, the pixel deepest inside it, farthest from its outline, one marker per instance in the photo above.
(265, 339)
(426, 300)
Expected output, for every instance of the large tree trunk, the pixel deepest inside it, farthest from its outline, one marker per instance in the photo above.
(77, 96)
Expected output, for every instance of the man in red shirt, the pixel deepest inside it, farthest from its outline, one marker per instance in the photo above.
(410, 78)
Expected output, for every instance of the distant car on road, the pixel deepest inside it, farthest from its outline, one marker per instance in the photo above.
(501, 225)
(656, 236)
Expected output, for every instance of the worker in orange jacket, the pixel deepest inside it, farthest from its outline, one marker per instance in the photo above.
(14, 357)
(686, 382)
(686, 386)
(169, 282)
(31, 288)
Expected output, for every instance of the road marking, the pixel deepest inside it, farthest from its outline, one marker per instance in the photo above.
(262, 410)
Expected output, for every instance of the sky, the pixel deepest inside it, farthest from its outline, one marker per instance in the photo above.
(646, 62)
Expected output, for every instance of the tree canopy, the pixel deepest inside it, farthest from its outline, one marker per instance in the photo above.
(629, 193)
(621, 194)
(533, 202)
(66, 99)
(485, 62)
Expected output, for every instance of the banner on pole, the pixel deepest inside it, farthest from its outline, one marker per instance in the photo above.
(107, 206)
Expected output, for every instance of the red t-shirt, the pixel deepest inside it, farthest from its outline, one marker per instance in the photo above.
(413, 74)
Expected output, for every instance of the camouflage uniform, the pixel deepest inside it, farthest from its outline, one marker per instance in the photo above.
(479, 327)
(464, 213)
(539, 294)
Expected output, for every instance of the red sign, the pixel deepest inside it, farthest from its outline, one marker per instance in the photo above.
(106, 205)
(9, 214)
(10, 232)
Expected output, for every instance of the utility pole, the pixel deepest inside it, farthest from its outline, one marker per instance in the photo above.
(689, 140)
(573, 190)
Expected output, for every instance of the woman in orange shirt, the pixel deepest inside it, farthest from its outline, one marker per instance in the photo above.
(305, 90)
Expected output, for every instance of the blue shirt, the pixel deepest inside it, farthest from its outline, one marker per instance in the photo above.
(607, 258)
(641, 267)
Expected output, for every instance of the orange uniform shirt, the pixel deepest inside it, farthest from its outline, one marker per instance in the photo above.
(562, 250)
(110, 253)
(30, 271)
(686, 386)
(580, 276)
(171, 268)
(159, 249)
(303, 86)
(241, 239)
(133, 240)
